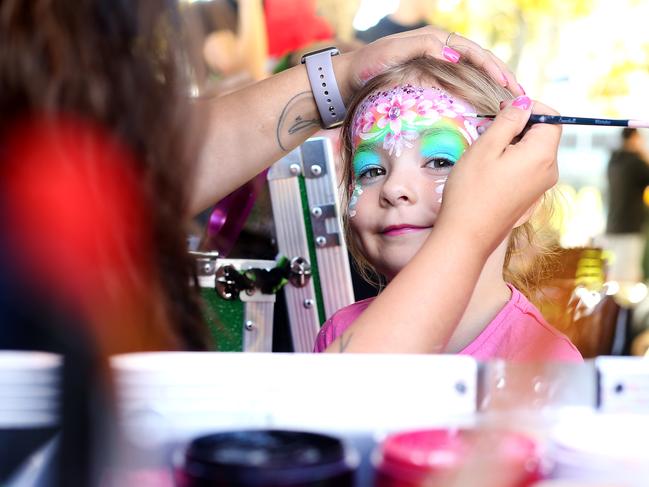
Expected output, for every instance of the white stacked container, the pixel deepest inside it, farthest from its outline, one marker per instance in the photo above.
(29, 389)
(29, 407)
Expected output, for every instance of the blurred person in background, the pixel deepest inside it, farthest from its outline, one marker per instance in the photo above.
(409, 15)
(236, 52)
(628, 176)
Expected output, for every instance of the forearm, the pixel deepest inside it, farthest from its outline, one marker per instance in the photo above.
(420, 308)
(250, 129)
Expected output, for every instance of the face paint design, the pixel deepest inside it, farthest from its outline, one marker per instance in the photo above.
(395, 117)
(392, 120)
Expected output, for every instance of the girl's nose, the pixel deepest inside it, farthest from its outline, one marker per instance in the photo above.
(399, 188)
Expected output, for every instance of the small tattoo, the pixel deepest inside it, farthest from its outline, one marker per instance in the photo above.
(301, 124)
(344, 343)
(293, 116)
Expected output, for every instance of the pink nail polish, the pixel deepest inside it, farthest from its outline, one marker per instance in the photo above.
(520, 87)
(450, 54)
(522, 102)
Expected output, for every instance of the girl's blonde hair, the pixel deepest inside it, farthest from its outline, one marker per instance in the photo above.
(528, 252)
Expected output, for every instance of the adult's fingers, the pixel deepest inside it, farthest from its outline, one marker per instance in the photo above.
(431, 41)
(483, 58)
(542, 135)
(512, 83)
(538, 147)
(509, 123)
(379, 55)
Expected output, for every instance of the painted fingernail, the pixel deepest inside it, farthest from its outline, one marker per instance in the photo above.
(522, 102)
(450, 54)
(520, 87)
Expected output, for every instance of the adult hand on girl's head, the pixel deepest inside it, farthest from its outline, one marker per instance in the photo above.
(370, 60)
(497, 180)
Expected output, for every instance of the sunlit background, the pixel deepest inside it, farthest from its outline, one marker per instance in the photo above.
(585, 58)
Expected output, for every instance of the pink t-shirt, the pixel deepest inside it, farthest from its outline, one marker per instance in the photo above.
(518, 333)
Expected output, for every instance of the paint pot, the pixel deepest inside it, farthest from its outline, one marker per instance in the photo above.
(265, 458)
(443, 457)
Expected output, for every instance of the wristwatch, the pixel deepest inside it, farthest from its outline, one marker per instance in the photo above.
(320, 71)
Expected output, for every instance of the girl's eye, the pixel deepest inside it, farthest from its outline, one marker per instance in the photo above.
(440, 163)
(371, 172)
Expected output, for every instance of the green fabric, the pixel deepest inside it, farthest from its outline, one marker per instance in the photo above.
(315, 274)
(224, 320)
(283, 63)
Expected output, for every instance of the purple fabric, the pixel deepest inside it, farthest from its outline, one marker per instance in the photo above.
(230, 214)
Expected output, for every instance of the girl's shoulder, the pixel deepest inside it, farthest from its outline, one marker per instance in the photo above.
(338, 323)
(539, 339)
(521, 333)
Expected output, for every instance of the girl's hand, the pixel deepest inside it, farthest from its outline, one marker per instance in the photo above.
(356, 67)
(497, 181)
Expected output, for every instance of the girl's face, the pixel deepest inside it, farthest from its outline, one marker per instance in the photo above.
(405, 142)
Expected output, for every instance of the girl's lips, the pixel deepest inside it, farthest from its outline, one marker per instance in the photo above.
(401, 229)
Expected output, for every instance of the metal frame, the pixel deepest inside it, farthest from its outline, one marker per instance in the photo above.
(257, 325)
(306, 209)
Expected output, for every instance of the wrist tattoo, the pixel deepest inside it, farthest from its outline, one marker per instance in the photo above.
(293, 119)
(344, 343)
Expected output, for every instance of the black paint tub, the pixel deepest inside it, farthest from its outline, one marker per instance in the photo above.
(266, 458)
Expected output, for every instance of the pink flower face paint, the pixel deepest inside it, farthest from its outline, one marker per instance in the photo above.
(392, 120)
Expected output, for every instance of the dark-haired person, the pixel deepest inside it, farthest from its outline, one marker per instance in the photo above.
(628, 176)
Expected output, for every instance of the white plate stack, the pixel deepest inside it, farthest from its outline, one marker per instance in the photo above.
(604, 448)
(29, 389)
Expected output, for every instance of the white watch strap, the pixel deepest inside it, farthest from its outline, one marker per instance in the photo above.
(319, 69)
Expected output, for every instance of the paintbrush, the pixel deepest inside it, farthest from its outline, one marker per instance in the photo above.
(560, 119)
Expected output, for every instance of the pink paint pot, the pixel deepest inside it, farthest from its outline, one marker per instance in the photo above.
(457, 457)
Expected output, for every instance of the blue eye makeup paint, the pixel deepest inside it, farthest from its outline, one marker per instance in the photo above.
(365, 159)
(444, 141)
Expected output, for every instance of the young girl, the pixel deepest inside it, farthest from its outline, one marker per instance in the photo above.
(404, 133)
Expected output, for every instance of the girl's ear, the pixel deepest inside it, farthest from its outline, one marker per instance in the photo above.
(528, 214)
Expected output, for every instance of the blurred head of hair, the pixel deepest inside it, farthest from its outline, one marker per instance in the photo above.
(93, 95)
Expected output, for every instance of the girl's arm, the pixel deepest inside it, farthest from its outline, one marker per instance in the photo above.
(251, 128)
(491, 186)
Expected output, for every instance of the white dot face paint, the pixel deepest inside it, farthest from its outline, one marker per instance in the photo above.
(439, 188)
(353, 201)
